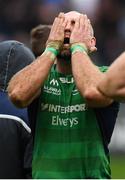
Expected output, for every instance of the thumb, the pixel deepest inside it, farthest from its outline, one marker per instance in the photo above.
(93, 49)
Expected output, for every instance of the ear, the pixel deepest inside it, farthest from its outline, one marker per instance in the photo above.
(92, 45)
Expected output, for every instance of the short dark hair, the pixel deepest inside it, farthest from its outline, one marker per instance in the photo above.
(39, 36)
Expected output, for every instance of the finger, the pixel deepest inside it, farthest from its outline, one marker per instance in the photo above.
(53, 29)
(61, 18)
(93, 49)
(56, 21)
(86, 24)
(54, 24)
(61, 14)
(64, 23)
(61, 23)
(77, 24)
(82, 21)
(89, 21)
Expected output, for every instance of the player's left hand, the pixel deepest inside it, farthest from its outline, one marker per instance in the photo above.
(83, 33)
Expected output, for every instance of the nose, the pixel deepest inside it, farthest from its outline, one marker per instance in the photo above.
(68, 27)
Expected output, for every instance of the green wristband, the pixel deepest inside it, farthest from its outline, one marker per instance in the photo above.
(53, 50)
(54, 44)
(78, 48)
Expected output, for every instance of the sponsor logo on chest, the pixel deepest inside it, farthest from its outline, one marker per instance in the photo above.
(63, 80)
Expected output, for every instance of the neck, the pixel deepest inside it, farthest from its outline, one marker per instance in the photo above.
(64, 67)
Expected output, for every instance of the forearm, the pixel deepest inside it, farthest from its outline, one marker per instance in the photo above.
(86, 76)
(85, 73)
(113, 83)
(24, 86)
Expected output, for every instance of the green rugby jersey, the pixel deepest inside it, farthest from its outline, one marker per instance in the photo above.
(68, 142)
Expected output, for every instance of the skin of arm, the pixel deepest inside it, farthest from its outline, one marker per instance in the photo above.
(113, 83)
(25, 86)
(85, 73)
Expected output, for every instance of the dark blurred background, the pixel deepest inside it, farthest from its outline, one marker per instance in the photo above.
(18, 17)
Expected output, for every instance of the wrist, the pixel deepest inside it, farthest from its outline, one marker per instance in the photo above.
(79, 47)
(54, 44)
(52, 52)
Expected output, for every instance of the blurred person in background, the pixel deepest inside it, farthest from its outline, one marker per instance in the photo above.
(74, 120)
(15, 133)
(108, 29)
(38, 38)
